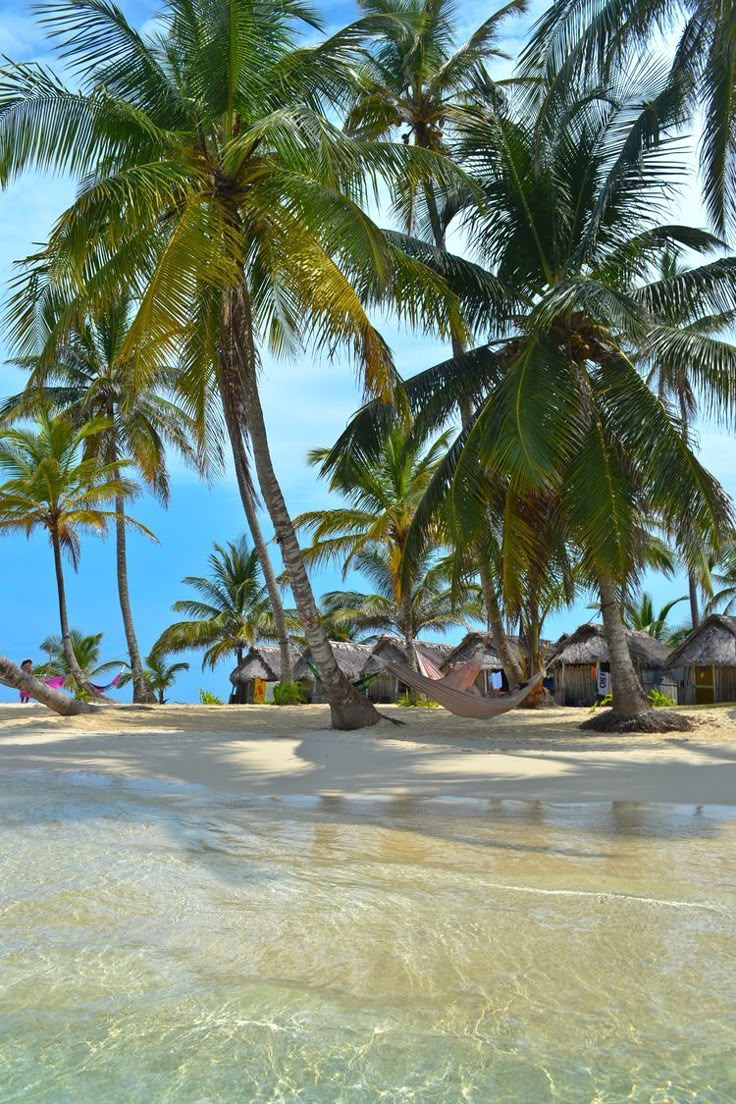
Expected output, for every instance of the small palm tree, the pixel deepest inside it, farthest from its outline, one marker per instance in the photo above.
(643, 618)
(433, 604)
(231, 613)
(86, 649)
(90, 378)
(159, 674)
(51, 484)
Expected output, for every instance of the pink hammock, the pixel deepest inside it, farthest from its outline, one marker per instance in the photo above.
(57, 681)
(110, 685)
(461, 677)
(461, 702)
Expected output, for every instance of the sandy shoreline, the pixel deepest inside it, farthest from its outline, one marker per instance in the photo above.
(255, 750)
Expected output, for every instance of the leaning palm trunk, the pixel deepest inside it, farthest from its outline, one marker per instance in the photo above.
(509, 662)
(631, 712)
(692, 582)
(74, 669)
(234, 420)
(349, 708)
(142, 693)
(12, 675)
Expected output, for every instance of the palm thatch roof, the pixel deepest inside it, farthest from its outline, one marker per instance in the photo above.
(351, 658)
(263, 661)
(477, 647)
(588, 644)
(393, 649)
(713, 642)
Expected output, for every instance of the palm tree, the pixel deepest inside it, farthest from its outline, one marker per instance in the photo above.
(575, 41)
(88, 378)
(231, 613)
(571, 227)
(676, 378)
(433, 603)
(382, 495)
(723, 598)
(414, 80)
(86, 649)
(643, 618)
(216, 186)
(50, 484)
(159, 675)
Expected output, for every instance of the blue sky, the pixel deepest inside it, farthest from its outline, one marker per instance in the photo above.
(306, 404)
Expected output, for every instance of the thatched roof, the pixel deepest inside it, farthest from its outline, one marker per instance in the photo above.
(588, 644)
(263, 661)
(393, 649)
(350, 658)
(477, 647)
(714, 641)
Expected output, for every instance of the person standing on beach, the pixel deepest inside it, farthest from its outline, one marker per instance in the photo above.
(27, 666)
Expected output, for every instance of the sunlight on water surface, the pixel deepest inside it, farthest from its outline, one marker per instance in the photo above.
(164, 943)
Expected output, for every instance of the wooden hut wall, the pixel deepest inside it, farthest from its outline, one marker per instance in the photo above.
(706, 683)
(575, 684)
(384, 689)
(726, 684)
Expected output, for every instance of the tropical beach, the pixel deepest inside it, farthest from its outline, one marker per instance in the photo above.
(260, 751)
(368, 545)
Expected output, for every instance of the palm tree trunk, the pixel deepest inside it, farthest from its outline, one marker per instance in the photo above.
(628, 697)
(66, 642)
(142, 693)
(692, 581)
(509, 662)
(234, 425)
(349, 708)
(12, 675)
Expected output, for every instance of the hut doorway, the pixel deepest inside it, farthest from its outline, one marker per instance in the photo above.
(705, 685)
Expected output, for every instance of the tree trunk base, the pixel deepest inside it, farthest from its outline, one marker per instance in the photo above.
(649, 720)
(356, 712)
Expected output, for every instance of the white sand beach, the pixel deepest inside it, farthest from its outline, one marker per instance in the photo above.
(263, 750)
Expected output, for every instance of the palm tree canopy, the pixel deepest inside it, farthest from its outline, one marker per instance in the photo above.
(382, 492)
(207, 162)
(434, 604)
(573, 42)
(159, 674)
(86, 648)
(643, 617)
(231, 610)
(87, 378)
(49, 483)
(572, 226)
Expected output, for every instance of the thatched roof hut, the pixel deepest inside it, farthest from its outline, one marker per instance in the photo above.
(479, 648)
(578, 659)
(386, 687)
(351, 658)
(263, 662)
(704, 665)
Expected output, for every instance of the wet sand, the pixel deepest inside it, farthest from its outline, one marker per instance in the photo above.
(265, 750)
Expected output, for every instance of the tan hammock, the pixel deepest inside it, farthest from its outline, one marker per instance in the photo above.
(461, 702)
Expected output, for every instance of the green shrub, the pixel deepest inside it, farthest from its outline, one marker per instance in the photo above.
(408, 702)
(659, 700)
(288, 693)
(206, 697)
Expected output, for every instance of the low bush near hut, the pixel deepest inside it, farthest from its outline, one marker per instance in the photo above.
(408, 702)
(288, 693)
(206, 697)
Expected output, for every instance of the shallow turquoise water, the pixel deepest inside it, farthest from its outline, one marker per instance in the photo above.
(164, 943)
